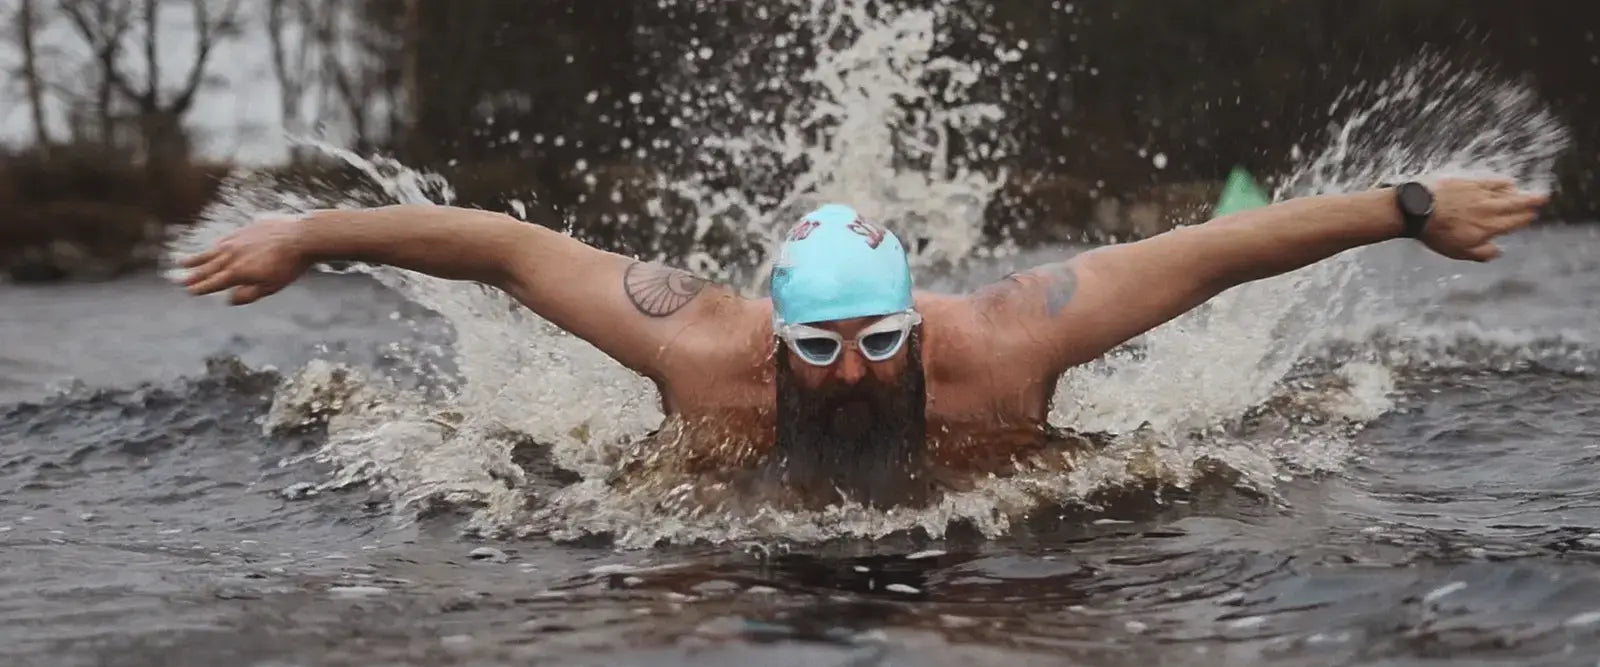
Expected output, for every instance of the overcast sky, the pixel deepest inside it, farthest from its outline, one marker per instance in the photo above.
(236, 118)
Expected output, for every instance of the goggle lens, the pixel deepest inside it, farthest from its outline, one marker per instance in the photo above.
(883, 344)
(820, 351)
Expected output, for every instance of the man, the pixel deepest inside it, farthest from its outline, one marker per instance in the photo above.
(847, 384)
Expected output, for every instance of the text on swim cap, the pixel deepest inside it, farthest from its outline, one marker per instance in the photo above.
(802, 229)
(872, 233)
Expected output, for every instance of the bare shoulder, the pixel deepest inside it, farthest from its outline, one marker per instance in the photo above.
(1038, 292)
(660, 291)
(953, 333)
(1010, 322)
(720, 333)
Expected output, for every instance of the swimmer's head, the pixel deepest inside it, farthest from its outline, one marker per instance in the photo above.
(841, 297)
(851, 397)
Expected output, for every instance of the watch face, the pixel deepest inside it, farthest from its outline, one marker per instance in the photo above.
(1415, 199)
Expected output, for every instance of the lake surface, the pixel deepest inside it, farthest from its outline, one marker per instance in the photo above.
(147, 516)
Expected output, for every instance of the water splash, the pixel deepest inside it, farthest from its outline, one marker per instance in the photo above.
(872, 121)
(1234, 350)
(850, 137)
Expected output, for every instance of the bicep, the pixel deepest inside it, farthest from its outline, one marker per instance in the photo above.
(1071, 312)
(630, 309)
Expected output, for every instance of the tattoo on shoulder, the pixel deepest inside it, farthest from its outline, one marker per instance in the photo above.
(1057, 281)
(659, 291)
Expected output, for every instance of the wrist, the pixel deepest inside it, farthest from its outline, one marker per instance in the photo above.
(1386, 219)
(1416, 205)
(308, 235)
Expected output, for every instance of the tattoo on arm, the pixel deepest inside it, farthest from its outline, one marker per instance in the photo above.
(659, 291)
(1057, 281)
(1060, 284)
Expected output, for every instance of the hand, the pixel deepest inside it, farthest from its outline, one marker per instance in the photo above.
(1468, 214)
(255, 261)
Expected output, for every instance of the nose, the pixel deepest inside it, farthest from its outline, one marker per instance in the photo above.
(851, 367)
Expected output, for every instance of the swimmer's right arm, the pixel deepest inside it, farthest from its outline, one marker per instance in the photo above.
(629, 309)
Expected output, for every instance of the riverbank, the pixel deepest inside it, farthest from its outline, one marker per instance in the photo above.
(79, 216)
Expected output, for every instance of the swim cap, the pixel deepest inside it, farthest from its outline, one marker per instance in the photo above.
(833, 265)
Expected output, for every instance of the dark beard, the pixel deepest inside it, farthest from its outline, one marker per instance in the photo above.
(863, 441)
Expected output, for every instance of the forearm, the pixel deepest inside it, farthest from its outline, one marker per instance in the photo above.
(1264, 242)
(446, 242)
(1116, 292)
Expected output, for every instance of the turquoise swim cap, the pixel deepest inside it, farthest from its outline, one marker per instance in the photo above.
(833, 265)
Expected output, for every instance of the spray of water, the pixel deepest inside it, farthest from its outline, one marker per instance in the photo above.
(852, 137)
(871, 120)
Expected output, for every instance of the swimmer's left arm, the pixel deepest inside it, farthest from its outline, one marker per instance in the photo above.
(1071, 312)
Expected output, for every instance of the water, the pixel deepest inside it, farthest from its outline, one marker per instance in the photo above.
(1379, 460)
(149, 521)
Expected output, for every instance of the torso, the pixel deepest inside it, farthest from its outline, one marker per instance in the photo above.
(985, 412)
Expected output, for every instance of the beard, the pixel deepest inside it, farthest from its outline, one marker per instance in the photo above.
(861, 442)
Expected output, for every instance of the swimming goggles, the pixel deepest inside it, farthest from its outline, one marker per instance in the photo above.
(877, 342)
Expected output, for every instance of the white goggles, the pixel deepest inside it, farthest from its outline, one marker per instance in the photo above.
(877, 342)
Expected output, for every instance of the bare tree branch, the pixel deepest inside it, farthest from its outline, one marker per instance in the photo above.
(102, 24)
(328, 31)
(206, 34)
(27, 25)
(152, 71)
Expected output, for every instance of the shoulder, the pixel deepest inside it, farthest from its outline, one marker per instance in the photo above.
(658, 290)
(1003, 323)
(723, 333)
(953, 332)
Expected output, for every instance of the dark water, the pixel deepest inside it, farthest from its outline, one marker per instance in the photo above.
(145, 519)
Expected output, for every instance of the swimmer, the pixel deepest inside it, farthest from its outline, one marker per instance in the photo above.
(847, 383)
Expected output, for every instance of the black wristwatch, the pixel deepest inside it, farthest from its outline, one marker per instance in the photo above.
(1416, 206)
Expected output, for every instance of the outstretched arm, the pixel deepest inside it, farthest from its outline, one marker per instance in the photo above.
(629, 309)
(1071, 312)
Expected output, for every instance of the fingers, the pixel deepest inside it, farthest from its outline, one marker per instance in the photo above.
(1521, 201)
(1519, 211)
(1520, 220)
(1500, 185)
(246, 294)
(201, 258)
(206, 283)
(1487, 252)
(206, 270)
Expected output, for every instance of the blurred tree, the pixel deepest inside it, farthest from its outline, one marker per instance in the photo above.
(104, 24)
(28, 24)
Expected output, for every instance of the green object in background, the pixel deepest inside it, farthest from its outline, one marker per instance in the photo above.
(1239, 193)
